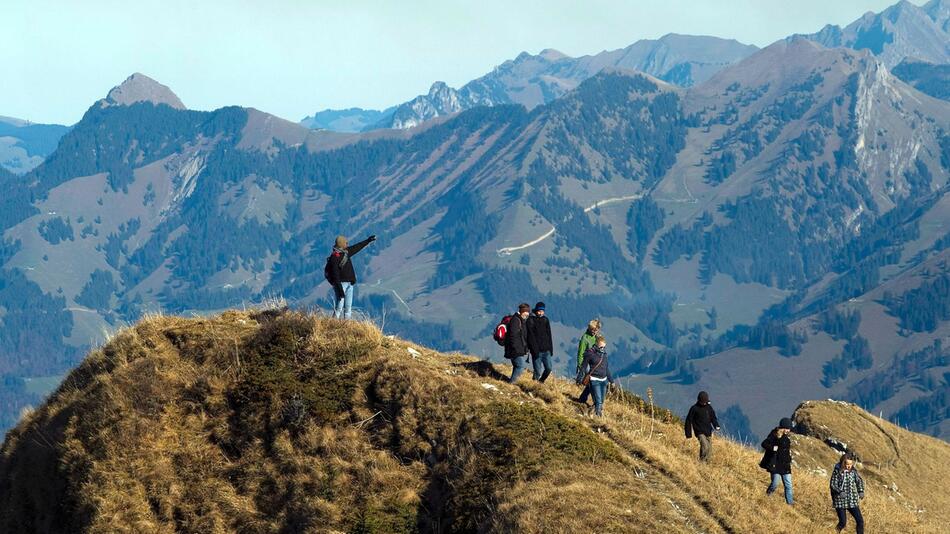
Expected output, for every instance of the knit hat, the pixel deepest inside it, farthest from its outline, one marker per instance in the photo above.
(340, 241)
(702, 398)
(785, 423)
(539, 306)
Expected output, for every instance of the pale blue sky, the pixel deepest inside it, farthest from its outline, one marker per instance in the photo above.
(292, 58)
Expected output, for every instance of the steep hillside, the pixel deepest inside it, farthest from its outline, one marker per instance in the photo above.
(930, 78)
(24, 145)
(808, 186)
(268, 421)
(278, 421)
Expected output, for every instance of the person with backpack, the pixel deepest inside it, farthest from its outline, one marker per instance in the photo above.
(341, 275)
(516, 341)
(702, 421)
(587, 341)
(540, 343)
(777, 459)
(847, 491)
(595, 373)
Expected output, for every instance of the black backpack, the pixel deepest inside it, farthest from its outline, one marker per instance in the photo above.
(326, 269)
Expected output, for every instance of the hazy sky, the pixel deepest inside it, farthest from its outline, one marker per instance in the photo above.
(294, 57)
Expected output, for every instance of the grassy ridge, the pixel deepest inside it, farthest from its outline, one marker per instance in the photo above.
(286, 422)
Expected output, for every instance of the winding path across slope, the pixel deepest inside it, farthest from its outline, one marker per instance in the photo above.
(506, 251)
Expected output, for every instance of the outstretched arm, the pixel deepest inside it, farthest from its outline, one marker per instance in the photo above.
(353, 249)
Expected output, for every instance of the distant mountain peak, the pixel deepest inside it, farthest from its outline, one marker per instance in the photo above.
(438, 88)
(140, 88)
(899, 31)
(551, 54)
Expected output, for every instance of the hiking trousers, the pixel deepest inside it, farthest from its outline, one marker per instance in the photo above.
(843, 518)
(518, 364)
(705, 446)
(344, 306)
(542, 360)
(598, 390)
(786, 482)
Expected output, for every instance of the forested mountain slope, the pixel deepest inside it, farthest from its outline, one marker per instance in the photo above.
(692, 222)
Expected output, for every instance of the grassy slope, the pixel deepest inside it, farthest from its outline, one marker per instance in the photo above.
(266, 422)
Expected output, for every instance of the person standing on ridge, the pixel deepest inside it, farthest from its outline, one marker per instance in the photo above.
(339, 272)
(702, 421)
(777, 459)
(540, 343)
(587, 341)
(595, 373)
(516, 341)
(847, 491)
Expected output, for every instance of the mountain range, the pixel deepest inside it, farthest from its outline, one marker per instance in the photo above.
(904, 30)
(784, 217)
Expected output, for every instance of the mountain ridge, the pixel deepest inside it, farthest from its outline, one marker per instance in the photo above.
(267, 420)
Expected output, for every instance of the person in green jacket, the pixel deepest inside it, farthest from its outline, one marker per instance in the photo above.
(588, 339)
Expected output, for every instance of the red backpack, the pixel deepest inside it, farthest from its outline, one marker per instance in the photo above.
(501, 331)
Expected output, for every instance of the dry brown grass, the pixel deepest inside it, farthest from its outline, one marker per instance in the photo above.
(284, 422)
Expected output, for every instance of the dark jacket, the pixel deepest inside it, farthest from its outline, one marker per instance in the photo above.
(539, 335)
(701, 419)
(847, 488)
(516, 338)
(592, 365)
(341, 268)
(778, 462)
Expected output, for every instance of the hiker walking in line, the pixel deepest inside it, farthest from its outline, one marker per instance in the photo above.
(777, 459)
(587, 341)
(540, 343)
(339, 272)
(847, 491)
(516, 341)
(594, 372)
(702, 421)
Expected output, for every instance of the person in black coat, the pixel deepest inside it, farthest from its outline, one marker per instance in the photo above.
(516, 341)
(702, 421)
(777, 459)
(341, 275)
(540, 343)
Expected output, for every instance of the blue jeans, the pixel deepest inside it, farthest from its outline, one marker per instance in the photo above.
(598, 389)
(786, 482)
(542, 359)
(518, 365)
(344, 306)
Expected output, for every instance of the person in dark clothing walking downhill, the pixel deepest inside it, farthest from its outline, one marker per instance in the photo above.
(516, 341)
(847, 491)
(777, 459)
(339, 272)
(702, 421)
(595, 371)
(586, 342)
(540, 343)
